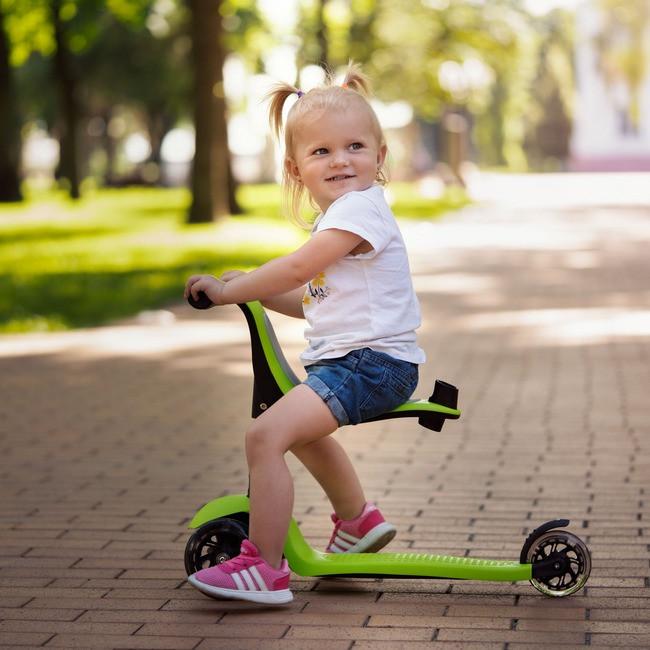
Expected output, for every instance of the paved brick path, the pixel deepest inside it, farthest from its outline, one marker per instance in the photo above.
(110, 438)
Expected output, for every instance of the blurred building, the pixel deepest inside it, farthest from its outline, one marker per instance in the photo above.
(611, 128)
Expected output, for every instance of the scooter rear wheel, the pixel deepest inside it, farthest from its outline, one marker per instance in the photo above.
(214, 543)
(569, 558)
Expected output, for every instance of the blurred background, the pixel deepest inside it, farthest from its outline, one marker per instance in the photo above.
(131, 131)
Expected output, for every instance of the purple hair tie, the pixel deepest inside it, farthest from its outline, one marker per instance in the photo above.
(299, 93)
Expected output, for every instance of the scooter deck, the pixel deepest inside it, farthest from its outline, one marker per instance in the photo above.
(308, 562)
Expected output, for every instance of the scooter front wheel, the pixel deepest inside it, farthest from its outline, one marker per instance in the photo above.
(213, 543)
(561, 563)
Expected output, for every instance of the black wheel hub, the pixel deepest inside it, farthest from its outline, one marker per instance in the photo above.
(557, 564)
(214, 543)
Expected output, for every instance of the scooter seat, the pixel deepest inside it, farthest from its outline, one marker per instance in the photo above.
(274, 377)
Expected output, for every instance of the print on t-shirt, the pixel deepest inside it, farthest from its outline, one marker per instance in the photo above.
(316, 289)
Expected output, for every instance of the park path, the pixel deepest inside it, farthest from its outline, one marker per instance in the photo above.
(536, 303)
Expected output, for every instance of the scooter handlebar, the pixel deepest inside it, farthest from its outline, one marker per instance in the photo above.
(203, 302)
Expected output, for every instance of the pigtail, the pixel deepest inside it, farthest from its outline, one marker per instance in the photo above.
(354, 90)
(356, 80)
(278, 95)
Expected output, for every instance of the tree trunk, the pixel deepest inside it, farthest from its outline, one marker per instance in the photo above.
(234, 206)
(158, 125)
(66, 82)
(212, 191)
(109, 145)
(9, 127)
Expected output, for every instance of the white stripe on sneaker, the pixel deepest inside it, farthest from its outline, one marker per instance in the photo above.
(238, 581)
(341, 543)
(333, 548)
(258, 578)
(347, 537)
(249, 580)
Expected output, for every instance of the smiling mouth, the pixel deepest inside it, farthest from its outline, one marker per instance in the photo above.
(340, 177)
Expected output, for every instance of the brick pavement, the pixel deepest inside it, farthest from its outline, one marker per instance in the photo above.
(110, 438)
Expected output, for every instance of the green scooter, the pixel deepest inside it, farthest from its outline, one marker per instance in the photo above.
(556, 562)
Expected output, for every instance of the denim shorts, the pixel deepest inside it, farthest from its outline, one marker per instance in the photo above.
(362, 384)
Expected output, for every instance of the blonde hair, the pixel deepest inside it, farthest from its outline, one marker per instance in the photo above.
(355, 90)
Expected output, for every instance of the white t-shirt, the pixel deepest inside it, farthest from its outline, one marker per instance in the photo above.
(364, 300)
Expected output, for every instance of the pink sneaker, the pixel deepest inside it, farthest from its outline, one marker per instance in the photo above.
(367, 533)
(245, 577)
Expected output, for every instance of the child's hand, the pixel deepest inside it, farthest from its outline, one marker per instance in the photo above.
(211, 286)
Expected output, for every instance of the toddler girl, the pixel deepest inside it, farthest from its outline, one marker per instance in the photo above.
(351, 281)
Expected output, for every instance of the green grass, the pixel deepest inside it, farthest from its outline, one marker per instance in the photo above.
(65, 265)
(409, 204)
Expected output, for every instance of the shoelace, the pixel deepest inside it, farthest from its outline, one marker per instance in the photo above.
(241, 560)
(337, 526)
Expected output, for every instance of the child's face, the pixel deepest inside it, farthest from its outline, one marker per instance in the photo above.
(335, 153)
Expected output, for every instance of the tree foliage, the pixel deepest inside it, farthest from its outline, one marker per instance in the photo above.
(548, 119)
(623, 51)
(77, 66)
(51, 40)
(439, 55)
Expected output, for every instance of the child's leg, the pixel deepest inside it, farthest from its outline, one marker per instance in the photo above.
(359, 527)
(328, 463)
(298, 418)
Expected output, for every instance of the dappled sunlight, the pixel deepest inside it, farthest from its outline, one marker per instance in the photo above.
(477, 290)
(552, 190)
(581, 260)
(454, 283)
(469, 232)
(236, 368)
(161, 333)
(574, 327)
(126, 340)
(280, 236)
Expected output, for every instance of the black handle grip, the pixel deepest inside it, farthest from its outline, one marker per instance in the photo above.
(203, 301)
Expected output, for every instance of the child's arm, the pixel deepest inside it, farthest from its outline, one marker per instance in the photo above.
(289, 303)
(279, 276)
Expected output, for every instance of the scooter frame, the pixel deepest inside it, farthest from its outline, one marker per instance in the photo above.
(556, 562)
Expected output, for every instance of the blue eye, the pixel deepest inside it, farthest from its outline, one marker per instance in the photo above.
(320, 151)
(355, 146)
